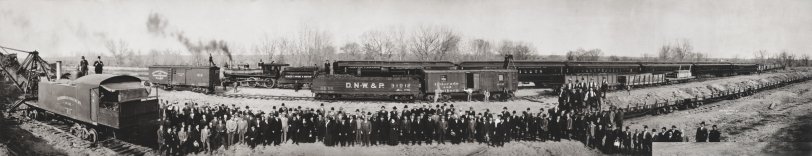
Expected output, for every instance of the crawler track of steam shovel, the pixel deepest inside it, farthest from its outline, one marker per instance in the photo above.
(118, 146)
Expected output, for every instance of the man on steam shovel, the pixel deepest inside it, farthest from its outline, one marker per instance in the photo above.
(82, 68)
(99, 65)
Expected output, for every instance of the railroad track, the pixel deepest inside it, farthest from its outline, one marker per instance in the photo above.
(264, 97)
(63, 131)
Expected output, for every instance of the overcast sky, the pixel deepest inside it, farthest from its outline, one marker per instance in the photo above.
(721, 28)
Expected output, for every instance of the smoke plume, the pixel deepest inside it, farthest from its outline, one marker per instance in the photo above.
(157, 25)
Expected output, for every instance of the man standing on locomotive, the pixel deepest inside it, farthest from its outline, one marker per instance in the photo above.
(82, 67)
(99, 65)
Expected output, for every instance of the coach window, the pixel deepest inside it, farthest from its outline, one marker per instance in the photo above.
(443, 78)
(501, 77)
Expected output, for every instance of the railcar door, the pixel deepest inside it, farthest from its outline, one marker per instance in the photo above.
(469, 80)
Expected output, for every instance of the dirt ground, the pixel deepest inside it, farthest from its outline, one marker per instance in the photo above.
(732, 116)
(22, 142)
(472, 149)
(771, 122)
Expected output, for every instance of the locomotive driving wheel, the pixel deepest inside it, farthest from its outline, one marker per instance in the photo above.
(269, 83)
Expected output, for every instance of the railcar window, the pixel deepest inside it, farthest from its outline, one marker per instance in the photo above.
(501, 77)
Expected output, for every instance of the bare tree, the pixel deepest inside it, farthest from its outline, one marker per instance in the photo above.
(377, 45)
(681, 50)
(433, 43)
(480, 48)
(120, 50)
(267, 47)
(581, 54)
(805, 59)
(761, 55)
(351, 51)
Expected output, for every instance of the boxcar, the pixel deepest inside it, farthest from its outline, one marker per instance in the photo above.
(199, 78)
(499, 83)
(342, 86)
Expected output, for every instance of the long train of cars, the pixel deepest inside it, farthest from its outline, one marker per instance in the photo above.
(553, 74)
(545, 74)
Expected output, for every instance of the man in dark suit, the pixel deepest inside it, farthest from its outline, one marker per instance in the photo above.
(715, 135)
(701, 133)
(330, 131)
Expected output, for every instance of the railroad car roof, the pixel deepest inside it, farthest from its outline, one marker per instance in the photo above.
(98, 79)
(666, 64)
(465, 71)
(396, 63)
(304, 68)
(602, 64)
(516, 63)
(275, 64)
(182, 66)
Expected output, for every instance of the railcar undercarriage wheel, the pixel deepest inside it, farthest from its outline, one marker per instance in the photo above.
(429, 97)
(445, 97)
(92, 135)
(497, 96)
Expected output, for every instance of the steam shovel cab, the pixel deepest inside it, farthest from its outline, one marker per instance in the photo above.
(108, 105)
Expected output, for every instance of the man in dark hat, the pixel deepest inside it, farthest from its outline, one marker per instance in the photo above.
(99, 65)
(714, 135)
(82, 67)
(701, 133)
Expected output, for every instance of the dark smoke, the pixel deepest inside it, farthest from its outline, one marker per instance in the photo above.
(157, 25)
(200, 47)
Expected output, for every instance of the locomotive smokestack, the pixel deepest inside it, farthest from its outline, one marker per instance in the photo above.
(58, 70)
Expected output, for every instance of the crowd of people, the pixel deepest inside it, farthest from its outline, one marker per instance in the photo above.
(192, 127)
